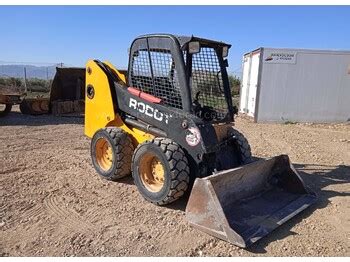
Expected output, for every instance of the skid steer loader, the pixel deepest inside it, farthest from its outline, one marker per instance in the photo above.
(169, 120)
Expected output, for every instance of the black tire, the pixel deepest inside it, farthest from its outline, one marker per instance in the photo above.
(24, 108)
(176, 170)
(7, 110)
(122, 150)
(243, 147)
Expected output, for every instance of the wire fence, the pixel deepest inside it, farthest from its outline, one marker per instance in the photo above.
(27, 76)
(32, 77)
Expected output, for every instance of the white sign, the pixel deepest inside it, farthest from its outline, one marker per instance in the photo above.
(280, 57)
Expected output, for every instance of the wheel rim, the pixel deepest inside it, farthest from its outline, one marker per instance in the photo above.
(2, 107)
(104, 154)
(151, 171)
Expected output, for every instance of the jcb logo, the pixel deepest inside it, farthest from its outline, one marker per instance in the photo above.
(148, 110)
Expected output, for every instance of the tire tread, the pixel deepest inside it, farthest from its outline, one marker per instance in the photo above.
(179, 168)
(245, 149)
(123, 152)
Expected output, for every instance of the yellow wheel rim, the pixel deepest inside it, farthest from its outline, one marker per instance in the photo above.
(151, 171)
(104, 154)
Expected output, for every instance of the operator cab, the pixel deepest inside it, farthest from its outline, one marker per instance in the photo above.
(186, 73)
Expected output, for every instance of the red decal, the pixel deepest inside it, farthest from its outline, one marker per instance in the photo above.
(144, 95)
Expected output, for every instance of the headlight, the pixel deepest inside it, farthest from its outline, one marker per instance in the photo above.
(225, 51)
(194, 47)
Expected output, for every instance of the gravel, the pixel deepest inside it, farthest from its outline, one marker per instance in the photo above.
(54, 204)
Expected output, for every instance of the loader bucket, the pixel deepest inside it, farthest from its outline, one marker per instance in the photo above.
(244, 204)
(68, 91)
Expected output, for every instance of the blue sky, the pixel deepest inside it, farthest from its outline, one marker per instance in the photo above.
(73, 35)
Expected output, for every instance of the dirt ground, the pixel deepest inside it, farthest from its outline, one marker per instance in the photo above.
(54, 204)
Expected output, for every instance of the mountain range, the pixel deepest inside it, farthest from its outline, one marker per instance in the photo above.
(42, 72)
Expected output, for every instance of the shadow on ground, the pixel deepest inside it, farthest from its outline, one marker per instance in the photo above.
(318, 178)
(19, 119)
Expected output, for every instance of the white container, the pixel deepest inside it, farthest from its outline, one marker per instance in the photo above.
(297, 85)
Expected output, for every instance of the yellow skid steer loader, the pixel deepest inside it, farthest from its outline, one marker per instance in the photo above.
(169, 121)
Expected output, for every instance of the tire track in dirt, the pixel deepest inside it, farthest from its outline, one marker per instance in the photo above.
(52, 207)
(29, 213)
(3, 207)
(94, 215)
(57, 207)
(11, 170)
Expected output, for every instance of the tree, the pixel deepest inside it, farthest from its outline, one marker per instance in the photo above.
(235, 84)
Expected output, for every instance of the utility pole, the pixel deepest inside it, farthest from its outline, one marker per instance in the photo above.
(47, 78)
(25, 80)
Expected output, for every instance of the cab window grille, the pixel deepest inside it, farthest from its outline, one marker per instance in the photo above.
(164, 84)
(207, 80)
(141, 71)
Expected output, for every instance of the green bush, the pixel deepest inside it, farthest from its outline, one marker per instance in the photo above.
(38, 85)
(33, 84)
(10, 81)
(235, 84)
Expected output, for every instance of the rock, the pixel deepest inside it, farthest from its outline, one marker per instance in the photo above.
(212, 244)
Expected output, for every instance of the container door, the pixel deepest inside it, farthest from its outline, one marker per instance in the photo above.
(253, 82)
(249, 82)
(245, 84)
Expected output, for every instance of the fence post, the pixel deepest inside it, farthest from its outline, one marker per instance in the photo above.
(25, 80)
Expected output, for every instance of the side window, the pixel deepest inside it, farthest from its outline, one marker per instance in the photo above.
(141, 71)
(161, 66)
(207, 81)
